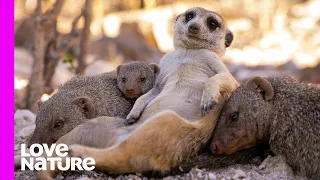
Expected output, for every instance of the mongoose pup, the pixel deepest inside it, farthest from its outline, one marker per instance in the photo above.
(86, 97)
(277, 110)
(191, 76)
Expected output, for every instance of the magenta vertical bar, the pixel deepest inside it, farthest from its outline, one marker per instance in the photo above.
(7, 89)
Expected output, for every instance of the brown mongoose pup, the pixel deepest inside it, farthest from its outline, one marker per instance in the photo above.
(191, 77)
(277, 110)
(86, 97)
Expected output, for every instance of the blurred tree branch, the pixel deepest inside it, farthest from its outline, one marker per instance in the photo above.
(85, 37)
(50, 46)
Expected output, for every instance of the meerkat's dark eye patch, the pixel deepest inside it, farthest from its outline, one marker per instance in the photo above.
(189, 16)
(212, 23)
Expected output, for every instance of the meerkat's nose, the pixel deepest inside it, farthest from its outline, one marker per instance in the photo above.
(193, 28)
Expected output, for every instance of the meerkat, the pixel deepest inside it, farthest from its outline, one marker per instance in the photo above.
(200, 39)
(275, 110)
(192, 81)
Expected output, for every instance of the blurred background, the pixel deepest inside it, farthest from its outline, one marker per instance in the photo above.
(60, 38)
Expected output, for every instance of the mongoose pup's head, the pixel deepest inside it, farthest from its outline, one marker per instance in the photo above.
(245, 117)
(199, 28)
(67, 109)
(136, 78)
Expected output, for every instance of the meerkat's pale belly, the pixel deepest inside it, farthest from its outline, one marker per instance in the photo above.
(181, 94)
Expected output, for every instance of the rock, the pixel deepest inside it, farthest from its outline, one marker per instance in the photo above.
(289, 66)
(212, 176)
(200, 175)
(26, 132)
(22, 62)
(84, 178)
(98, 67)
(239, 174)
(61, 75)
(23, 118)
(263, 164)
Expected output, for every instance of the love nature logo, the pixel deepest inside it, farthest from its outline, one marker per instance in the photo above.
(43, 159)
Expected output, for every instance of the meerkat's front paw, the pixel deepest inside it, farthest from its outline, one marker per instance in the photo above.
(210, 97)
(131, 118)
(77, 151)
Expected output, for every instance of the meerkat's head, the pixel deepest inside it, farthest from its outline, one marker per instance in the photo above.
(198, 28)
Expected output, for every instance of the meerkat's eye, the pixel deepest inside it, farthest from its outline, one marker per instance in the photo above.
(58, 124)
(123, 79)
(212, 24)
(143, 79)
(234, 116)
(189, 16)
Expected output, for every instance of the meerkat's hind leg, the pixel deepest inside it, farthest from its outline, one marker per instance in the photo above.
(158, 144)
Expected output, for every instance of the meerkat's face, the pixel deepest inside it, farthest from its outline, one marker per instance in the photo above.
(199, 28)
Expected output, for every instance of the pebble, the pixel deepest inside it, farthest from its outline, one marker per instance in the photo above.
(200, 175)
(84, 178)
(239, 174)
(212, 176)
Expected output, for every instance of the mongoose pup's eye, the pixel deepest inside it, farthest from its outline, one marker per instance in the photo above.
(212, 24)
(189, 16)
(142, 79)
(124, 79)
(234, 116)
(58, 124)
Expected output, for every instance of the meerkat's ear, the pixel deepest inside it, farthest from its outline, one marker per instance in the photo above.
(86, 106)
(155, 67)
(178, 17)
(263, 85)
(118, 69)
(229, 38)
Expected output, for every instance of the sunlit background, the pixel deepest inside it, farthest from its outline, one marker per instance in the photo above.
(272, 37)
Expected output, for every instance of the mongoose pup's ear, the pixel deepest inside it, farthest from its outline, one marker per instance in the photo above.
(118, 69)
(39, 102)
(155, 68)
(86, 105)
(229, 38)
(263, 85)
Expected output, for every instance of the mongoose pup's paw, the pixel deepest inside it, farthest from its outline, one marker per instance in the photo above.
(77, 150)
(131, 118)
(210, 97)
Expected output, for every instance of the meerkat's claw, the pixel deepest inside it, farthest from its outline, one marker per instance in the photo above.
(131, 118)
(208, 101)
(130, 121)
